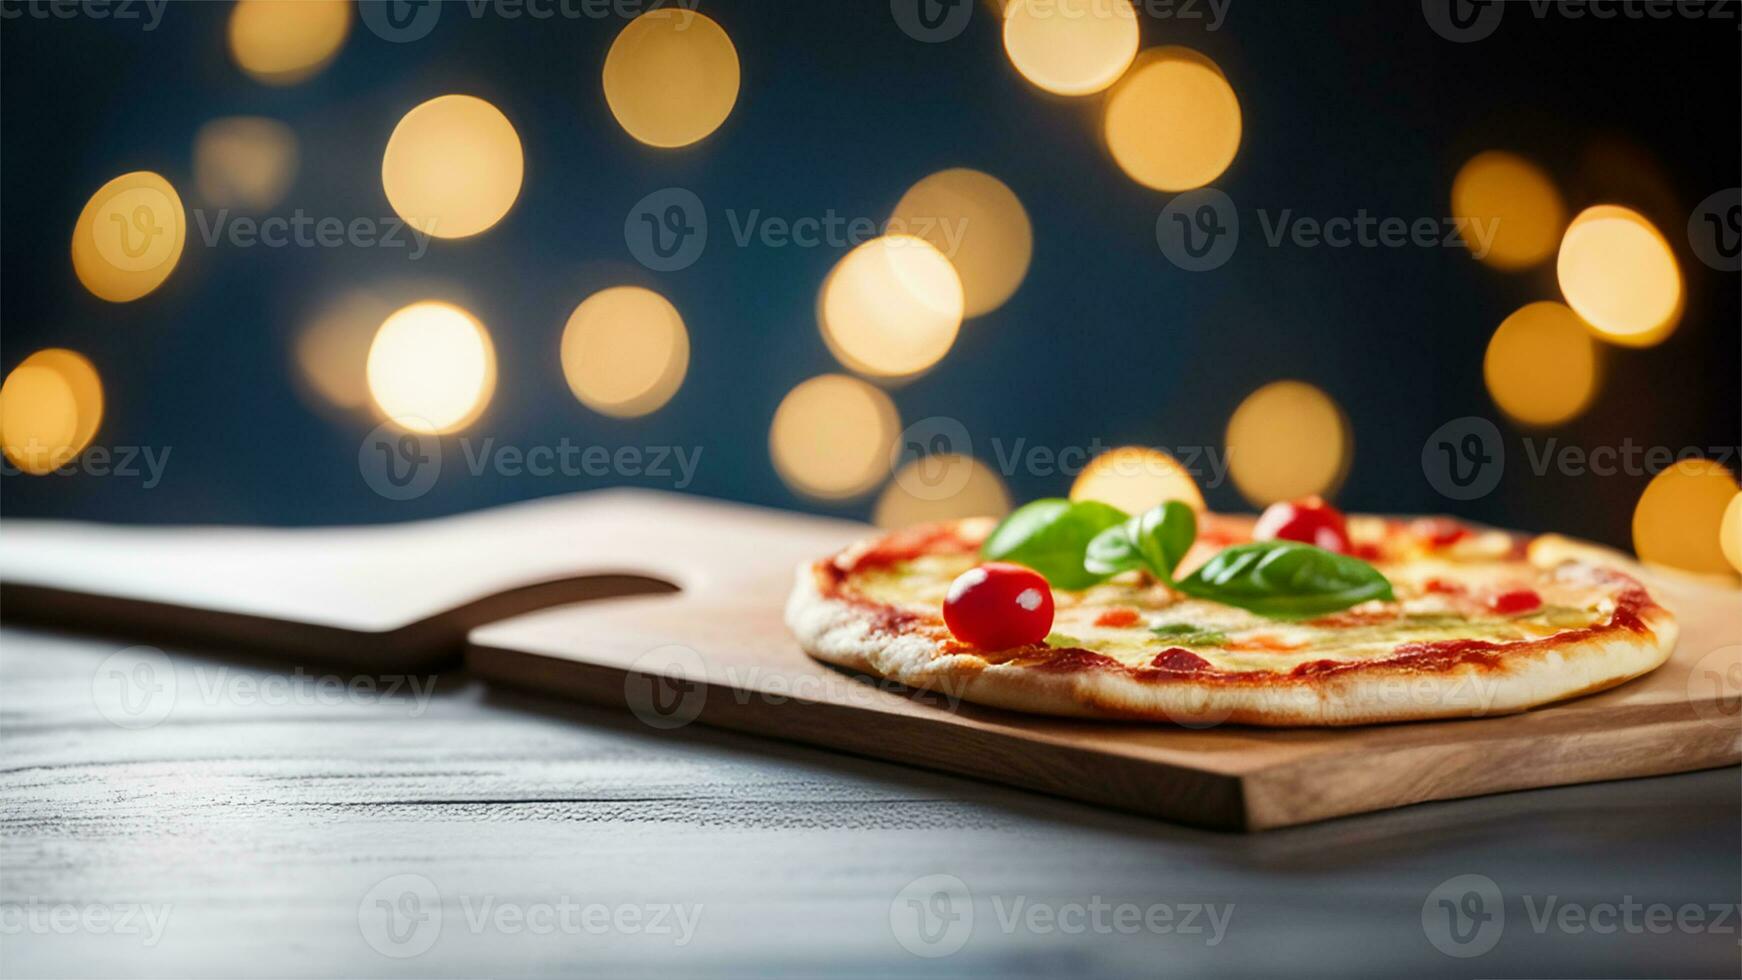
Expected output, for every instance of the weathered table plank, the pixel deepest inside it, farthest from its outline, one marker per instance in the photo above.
(252, 827)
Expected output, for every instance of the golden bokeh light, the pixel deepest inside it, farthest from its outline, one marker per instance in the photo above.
(671, 77)
(332, 351)
(832, 437)
(282, 42)
(1173, 122)
(1136, 478)
(1679, 517)
(1511, 204)
(980, 226)
(244, 162)
(1288, 440)
(39, 418)
(1618, 272)
(453, 166)
(1071, 47)
(86, 387)
(1730, 533)
(431, 368)
(625, 351)
(50, 408)
(1541, 365)
(943, 487)
(129, 237)
(891, 308)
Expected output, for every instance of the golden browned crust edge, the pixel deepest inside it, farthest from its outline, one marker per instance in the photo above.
(865, 637)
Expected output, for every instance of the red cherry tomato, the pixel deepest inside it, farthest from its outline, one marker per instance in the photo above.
(1514, 602)
(998, 605)
(1311, 521)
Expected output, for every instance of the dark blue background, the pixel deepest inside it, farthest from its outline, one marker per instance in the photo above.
(1347, 106)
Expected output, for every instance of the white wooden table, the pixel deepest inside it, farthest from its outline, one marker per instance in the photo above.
(277, 824)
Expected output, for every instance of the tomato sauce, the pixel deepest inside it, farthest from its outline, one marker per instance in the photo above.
(1632, 603)
(1118, 617)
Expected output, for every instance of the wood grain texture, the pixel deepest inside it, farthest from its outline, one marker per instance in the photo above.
(261, 825)
(414, 589)
(744, 672)
(384, 596)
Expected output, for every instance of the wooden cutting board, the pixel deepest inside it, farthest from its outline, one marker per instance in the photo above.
(704, 643)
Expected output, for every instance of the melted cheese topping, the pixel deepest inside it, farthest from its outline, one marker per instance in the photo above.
(1132, 620)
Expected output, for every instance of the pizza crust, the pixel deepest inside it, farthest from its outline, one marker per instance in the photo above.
(855, 635)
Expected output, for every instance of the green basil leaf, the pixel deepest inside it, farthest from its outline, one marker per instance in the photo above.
(1285, 580)
(1050, 537)
(1156, 539)
(1191, 636)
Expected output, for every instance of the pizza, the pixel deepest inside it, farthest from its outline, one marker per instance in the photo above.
(1301, 617)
